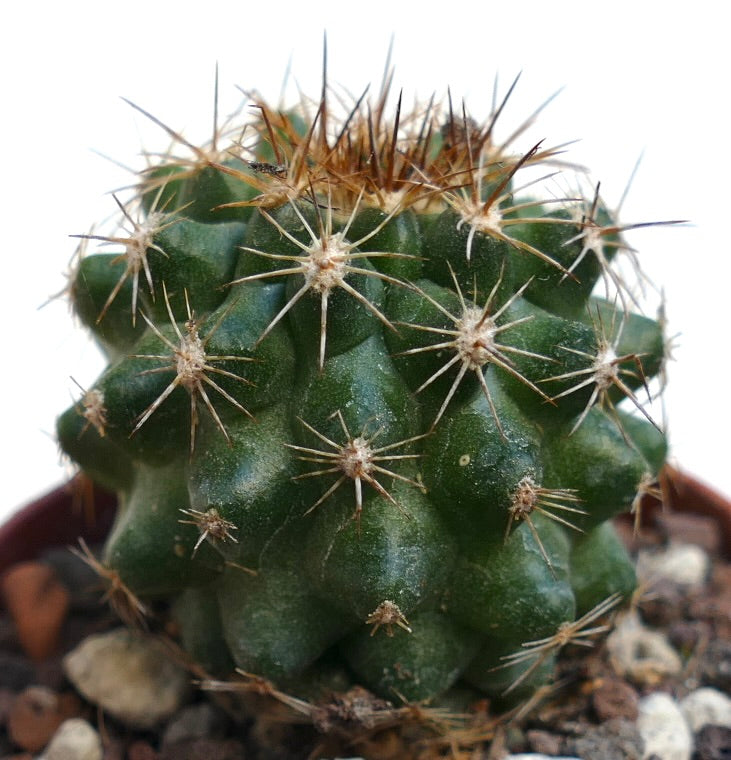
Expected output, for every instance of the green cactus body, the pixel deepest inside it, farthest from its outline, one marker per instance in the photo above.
(362, 418)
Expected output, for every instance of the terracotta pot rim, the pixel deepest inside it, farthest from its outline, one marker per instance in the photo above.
(683, 492)
(57, 518)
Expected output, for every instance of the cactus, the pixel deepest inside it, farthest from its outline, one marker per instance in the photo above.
(366, 414)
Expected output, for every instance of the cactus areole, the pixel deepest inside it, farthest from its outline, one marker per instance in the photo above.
(376, 388)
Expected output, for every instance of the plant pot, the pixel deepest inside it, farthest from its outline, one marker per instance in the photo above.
(684, 493)
(54, 520)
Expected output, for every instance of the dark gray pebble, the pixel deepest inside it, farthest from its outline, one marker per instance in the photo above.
(614, 740)
(77, 576)
(197, 721)
(715, 665)
(713, 743)
(204, 749)
(15, 672)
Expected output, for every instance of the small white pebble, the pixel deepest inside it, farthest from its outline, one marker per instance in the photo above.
(75, 739)
(684, 564)
(663, 728)
(128, 675)
(706, 706)
(645, 656)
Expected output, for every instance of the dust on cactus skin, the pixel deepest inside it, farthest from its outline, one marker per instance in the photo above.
(363, 407)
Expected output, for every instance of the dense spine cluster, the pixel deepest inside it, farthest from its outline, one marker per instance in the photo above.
(367, 420)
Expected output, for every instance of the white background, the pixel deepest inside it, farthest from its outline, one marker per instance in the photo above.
(641, 76)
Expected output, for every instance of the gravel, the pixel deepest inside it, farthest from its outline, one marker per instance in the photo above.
(658, 689)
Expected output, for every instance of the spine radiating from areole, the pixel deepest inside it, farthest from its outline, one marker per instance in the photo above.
(375, 391)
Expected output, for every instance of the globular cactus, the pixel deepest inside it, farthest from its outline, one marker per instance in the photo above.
(367, 419)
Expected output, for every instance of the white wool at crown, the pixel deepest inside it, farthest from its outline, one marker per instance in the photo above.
(627, 93)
